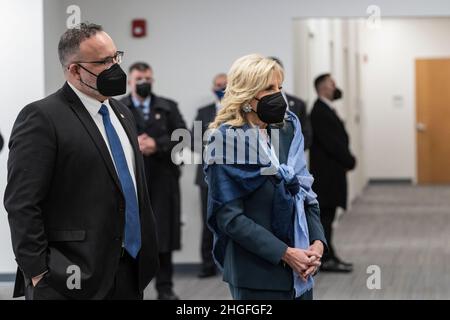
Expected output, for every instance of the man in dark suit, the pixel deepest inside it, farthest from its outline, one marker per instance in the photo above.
(206, 115)
(298, 106)
(330, 159)
(81, 222)
(156, 119)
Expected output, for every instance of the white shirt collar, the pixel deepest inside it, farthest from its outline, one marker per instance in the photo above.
(328, 102)
(92, 105)
(218, 105)
(137, 103)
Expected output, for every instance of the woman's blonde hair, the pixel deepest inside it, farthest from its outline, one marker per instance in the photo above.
(248, 75)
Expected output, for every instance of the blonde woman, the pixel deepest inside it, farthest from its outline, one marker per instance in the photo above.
(268, 240)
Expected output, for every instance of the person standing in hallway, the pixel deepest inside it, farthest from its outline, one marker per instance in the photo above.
(81, 221)
(330, 159)
(268, 238)
(206, 115)
(298, 106)
(156, 118)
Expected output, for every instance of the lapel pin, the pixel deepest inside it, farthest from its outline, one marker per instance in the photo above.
(123, 117)
(157, 116)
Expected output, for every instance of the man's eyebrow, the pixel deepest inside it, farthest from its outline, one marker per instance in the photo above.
(104, 58)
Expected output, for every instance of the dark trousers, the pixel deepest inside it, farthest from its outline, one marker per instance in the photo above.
(254, 294)
(125, 284)
(164, 282)
(327, 216)
(207, 236)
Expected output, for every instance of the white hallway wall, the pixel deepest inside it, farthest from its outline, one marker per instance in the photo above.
(190, 41)
(22, 81)
(388, 79)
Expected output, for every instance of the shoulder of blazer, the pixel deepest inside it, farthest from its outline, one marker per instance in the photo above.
(320, 109)
(295, 101)
(207, 111)
(53, 103)
(163, 103)
(208, 108)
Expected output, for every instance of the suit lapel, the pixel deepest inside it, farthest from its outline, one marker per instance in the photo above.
(126, 124)
(92, 129)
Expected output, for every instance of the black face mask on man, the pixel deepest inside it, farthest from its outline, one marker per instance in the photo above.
(110, 82)
(337, 94)
(144, 89)
(271, 108)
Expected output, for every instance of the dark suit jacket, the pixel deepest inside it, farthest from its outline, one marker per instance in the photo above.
(64, 200)
(298, 107)
(253, 254)
(162, 174)
(206, 115)
(330, 157)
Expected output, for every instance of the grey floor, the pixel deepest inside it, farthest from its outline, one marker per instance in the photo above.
(403, 230)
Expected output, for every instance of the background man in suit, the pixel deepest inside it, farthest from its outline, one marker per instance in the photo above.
(206, 115)
(156, 119)
(298, 106)
(76, 197)
(330, 159)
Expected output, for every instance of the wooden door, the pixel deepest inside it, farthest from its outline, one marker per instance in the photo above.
(433, 120)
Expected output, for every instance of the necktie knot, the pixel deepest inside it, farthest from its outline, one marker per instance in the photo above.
(104, 110)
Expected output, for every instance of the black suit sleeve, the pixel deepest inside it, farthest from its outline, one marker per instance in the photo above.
(196, 147)
(315, 227)
(30, 169)
(175, 121)
(305, 123)
(338, 149)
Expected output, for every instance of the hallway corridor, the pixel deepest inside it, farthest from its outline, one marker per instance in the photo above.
(405, 230)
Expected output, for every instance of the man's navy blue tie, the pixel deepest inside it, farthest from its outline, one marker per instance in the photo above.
(132, 241)
(145, 111)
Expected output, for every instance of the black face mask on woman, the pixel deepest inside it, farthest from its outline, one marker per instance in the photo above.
(271, 108)
(110, 82)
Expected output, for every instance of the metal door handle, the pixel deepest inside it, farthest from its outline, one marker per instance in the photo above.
(421, 127)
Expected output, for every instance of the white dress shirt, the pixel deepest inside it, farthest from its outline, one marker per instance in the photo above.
(218, 106)
(93, 106)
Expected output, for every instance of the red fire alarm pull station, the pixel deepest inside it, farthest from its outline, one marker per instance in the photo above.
(139, 28)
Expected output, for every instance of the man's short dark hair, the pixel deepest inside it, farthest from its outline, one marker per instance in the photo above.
(139, 66)
(321, 79)
(69, 43)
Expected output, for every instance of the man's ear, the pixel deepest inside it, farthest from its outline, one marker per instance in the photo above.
(73, 69)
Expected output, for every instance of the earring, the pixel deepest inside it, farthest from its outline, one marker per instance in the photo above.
(247, 108)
